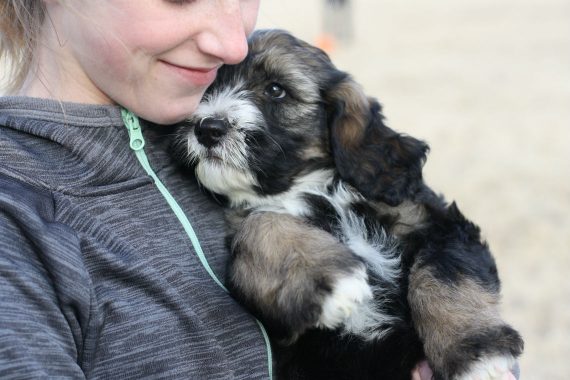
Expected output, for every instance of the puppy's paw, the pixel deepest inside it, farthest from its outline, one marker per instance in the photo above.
(349, 294)
(489, 368)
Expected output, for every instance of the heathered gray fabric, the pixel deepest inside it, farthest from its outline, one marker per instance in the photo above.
(98, 279)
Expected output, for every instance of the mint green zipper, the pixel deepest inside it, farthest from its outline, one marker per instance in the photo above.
(137, 145)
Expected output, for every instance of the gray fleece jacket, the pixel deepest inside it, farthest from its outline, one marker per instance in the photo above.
(98, 279)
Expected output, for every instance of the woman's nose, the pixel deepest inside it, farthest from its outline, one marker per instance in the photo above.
(226, 38)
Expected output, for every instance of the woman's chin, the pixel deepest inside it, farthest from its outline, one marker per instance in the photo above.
(168, 112)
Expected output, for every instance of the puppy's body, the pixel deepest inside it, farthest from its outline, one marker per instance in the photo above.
(355, 266)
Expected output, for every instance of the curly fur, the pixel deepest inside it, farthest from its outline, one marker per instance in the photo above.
(358, 269)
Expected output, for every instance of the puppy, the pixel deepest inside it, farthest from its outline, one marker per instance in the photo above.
(356, 267)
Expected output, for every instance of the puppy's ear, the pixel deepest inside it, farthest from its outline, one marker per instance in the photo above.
(382, 164)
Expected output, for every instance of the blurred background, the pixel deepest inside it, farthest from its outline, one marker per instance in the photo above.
(487, 84)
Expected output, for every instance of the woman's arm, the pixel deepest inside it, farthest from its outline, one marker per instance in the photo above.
(41, 317)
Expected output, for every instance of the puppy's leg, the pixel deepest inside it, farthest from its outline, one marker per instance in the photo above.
(458, 321)
(295, 276)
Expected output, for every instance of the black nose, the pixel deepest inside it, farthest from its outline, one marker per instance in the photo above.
(210, 131)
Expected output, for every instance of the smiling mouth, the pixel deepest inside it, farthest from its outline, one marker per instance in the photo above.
(202, 76)
(196, 69)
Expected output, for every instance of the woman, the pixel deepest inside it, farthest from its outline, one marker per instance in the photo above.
(97, 276)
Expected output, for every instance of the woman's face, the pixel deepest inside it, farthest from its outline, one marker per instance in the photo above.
(154, 57)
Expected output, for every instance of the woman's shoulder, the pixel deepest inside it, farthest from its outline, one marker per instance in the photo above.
(50, 110)
(17, 188)
(20, 162)
(27, 207)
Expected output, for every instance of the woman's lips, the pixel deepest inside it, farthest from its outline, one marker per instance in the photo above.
(199, 76)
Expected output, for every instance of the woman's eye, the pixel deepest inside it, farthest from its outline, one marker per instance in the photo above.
(275, 91)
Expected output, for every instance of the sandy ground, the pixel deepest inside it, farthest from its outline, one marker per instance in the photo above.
(487, 84)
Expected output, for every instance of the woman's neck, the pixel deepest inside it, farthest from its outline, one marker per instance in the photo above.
(56, 74)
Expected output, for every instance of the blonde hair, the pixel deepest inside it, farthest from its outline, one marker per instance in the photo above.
(20, 24)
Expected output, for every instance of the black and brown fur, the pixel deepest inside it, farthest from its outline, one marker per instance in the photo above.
(311, 174)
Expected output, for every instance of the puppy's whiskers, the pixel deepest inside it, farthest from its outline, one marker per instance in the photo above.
(271, 139)
(233, 152)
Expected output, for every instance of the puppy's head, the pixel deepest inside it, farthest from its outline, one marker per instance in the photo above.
(286, 111)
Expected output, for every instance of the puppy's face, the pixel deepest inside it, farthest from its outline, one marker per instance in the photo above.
(263, 122)
(286, 111)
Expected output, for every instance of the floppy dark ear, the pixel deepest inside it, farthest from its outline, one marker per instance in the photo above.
(382, 164)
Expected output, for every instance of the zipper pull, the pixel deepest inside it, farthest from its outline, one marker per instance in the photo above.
(135, 131)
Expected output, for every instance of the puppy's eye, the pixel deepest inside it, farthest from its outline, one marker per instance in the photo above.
(275, 91)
